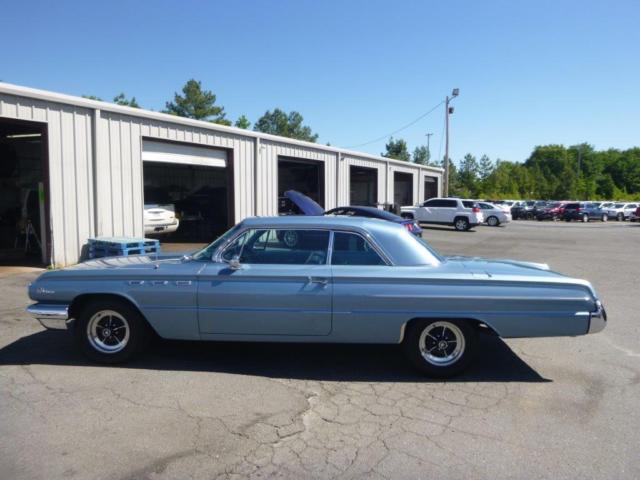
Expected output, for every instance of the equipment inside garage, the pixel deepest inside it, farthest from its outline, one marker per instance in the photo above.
(402, 188)
(363, 186)
(192, 181)
(22, 192)
(305, 176)
(430, 187)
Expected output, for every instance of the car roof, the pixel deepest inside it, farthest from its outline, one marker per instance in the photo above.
(338, 221)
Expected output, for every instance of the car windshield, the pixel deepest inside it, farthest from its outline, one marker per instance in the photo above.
(207, 252)
(618, 205)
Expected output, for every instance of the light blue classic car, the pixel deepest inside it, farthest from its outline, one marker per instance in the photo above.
(314, 279)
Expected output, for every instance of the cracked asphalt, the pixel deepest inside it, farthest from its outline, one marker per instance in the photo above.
(558, 408)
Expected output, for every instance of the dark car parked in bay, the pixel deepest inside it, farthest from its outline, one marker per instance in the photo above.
(308, 206)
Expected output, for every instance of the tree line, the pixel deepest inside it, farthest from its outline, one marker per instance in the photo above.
(200, 104)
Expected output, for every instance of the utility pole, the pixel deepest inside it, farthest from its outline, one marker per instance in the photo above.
(428, 135)
(447, 111)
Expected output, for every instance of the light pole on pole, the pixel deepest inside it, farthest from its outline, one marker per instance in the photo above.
(428, 135)
(448, 111)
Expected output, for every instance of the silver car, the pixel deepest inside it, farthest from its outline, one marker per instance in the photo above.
(621, 211)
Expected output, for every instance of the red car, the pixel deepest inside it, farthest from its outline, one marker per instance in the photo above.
(635, 216)
(552, 212)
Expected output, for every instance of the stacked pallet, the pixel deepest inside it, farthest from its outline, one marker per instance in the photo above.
(122, 246)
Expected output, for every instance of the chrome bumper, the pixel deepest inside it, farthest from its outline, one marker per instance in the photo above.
(597, 319)
(52, 316)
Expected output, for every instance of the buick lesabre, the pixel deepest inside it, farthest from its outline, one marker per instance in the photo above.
(314, 279)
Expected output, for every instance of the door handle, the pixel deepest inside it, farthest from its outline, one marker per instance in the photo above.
(319, 280)
(183, 283)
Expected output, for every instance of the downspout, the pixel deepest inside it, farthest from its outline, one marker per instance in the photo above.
(95, 149)
(256, 158)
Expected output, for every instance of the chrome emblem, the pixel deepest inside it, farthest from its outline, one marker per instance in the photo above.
(44, 291)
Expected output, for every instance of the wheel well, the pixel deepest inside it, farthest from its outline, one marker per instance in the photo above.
(83, 300)
(407, 215)
(477, 324)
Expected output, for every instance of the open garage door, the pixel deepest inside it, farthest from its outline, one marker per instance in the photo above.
(188, 192)
(23, 193)
(402, 188)
(363, 186)
(430, 187)
(305, 176)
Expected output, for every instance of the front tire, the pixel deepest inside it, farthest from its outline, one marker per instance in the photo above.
(461, 224)
(493, 221)
(585, 218)
(620, 217)
(605, 217)
(440, 348)
(110, 331)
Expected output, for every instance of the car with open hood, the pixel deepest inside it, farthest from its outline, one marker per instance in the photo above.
(314, 279)
(308, 206)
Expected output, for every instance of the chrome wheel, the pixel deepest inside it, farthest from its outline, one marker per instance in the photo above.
(108, 331)
(605, 217)
(441, 343)
(492, 221)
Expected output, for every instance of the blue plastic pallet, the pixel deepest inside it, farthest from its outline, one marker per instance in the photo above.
(122, 246)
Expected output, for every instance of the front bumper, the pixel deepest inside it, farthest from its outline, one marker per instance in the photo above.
(597, 318)
(51, 316)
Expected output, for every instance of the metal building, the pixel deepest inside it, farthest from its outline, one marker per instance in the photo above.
(73, 168)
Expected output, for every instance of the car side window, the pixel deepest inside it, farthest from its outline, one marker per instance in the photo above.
(352, 249)
(449, 203)
(280, 247)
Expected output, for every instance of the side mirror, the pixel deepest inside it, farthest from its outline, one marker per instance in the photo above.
(234, 263)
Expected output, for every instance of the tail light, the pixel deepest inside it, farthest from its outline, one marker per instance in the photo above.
(408, 226)
(475, 209)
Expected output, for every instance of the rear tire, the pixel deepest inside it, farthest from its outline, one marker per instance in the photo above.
(440, 348)
(493, 221)
(585, 218)
(620, 217)
(605, 217)
(110, 331)
(461, 224)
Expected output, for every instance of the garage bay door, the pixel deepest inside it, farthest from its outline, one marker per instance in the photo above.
(363, 186)
(402, 188)
(193, 181)
(305, 176)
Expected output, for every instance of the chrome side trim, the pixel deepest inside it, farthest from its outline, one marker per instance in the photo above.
(52, 316)
(597, 319)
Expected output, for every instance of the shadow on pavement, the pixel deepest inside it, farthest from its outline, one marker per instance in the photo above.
(495, 361)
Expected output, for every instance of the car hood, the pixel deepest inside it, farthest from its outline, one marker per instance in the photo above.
(304, 203)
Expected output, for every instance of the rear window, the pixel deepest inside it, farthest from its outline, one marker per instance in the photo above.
(572, 206)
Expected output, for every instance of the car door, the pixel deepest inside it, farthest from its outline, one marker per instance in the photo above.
(361, 281)
(282, 285)
(430, 211)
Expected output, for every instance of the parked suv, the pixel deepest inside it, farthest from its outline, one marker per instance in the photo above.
(461, 214)
(584, 211)
(621, 211)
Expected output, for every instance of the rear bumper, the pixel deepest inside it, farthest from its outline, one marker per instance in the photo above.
(51, 316)
(597, 319)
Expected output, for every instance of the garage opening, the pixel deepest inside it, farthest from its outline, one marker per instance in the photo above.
(402, 188)
(23, 193)
(363, 186)
(430, 187)
(305, 176)
(187, 192)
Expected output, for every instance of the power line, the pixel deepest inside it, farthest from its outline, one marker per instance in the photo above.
(413, 122)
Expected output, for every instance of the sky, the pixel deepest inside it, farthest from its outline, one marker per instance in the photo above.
(529, 73)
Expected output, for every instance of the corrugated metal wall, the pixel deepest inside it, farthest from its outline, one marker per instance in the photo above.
(115, 193)
(119, 140)
(71, 200)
